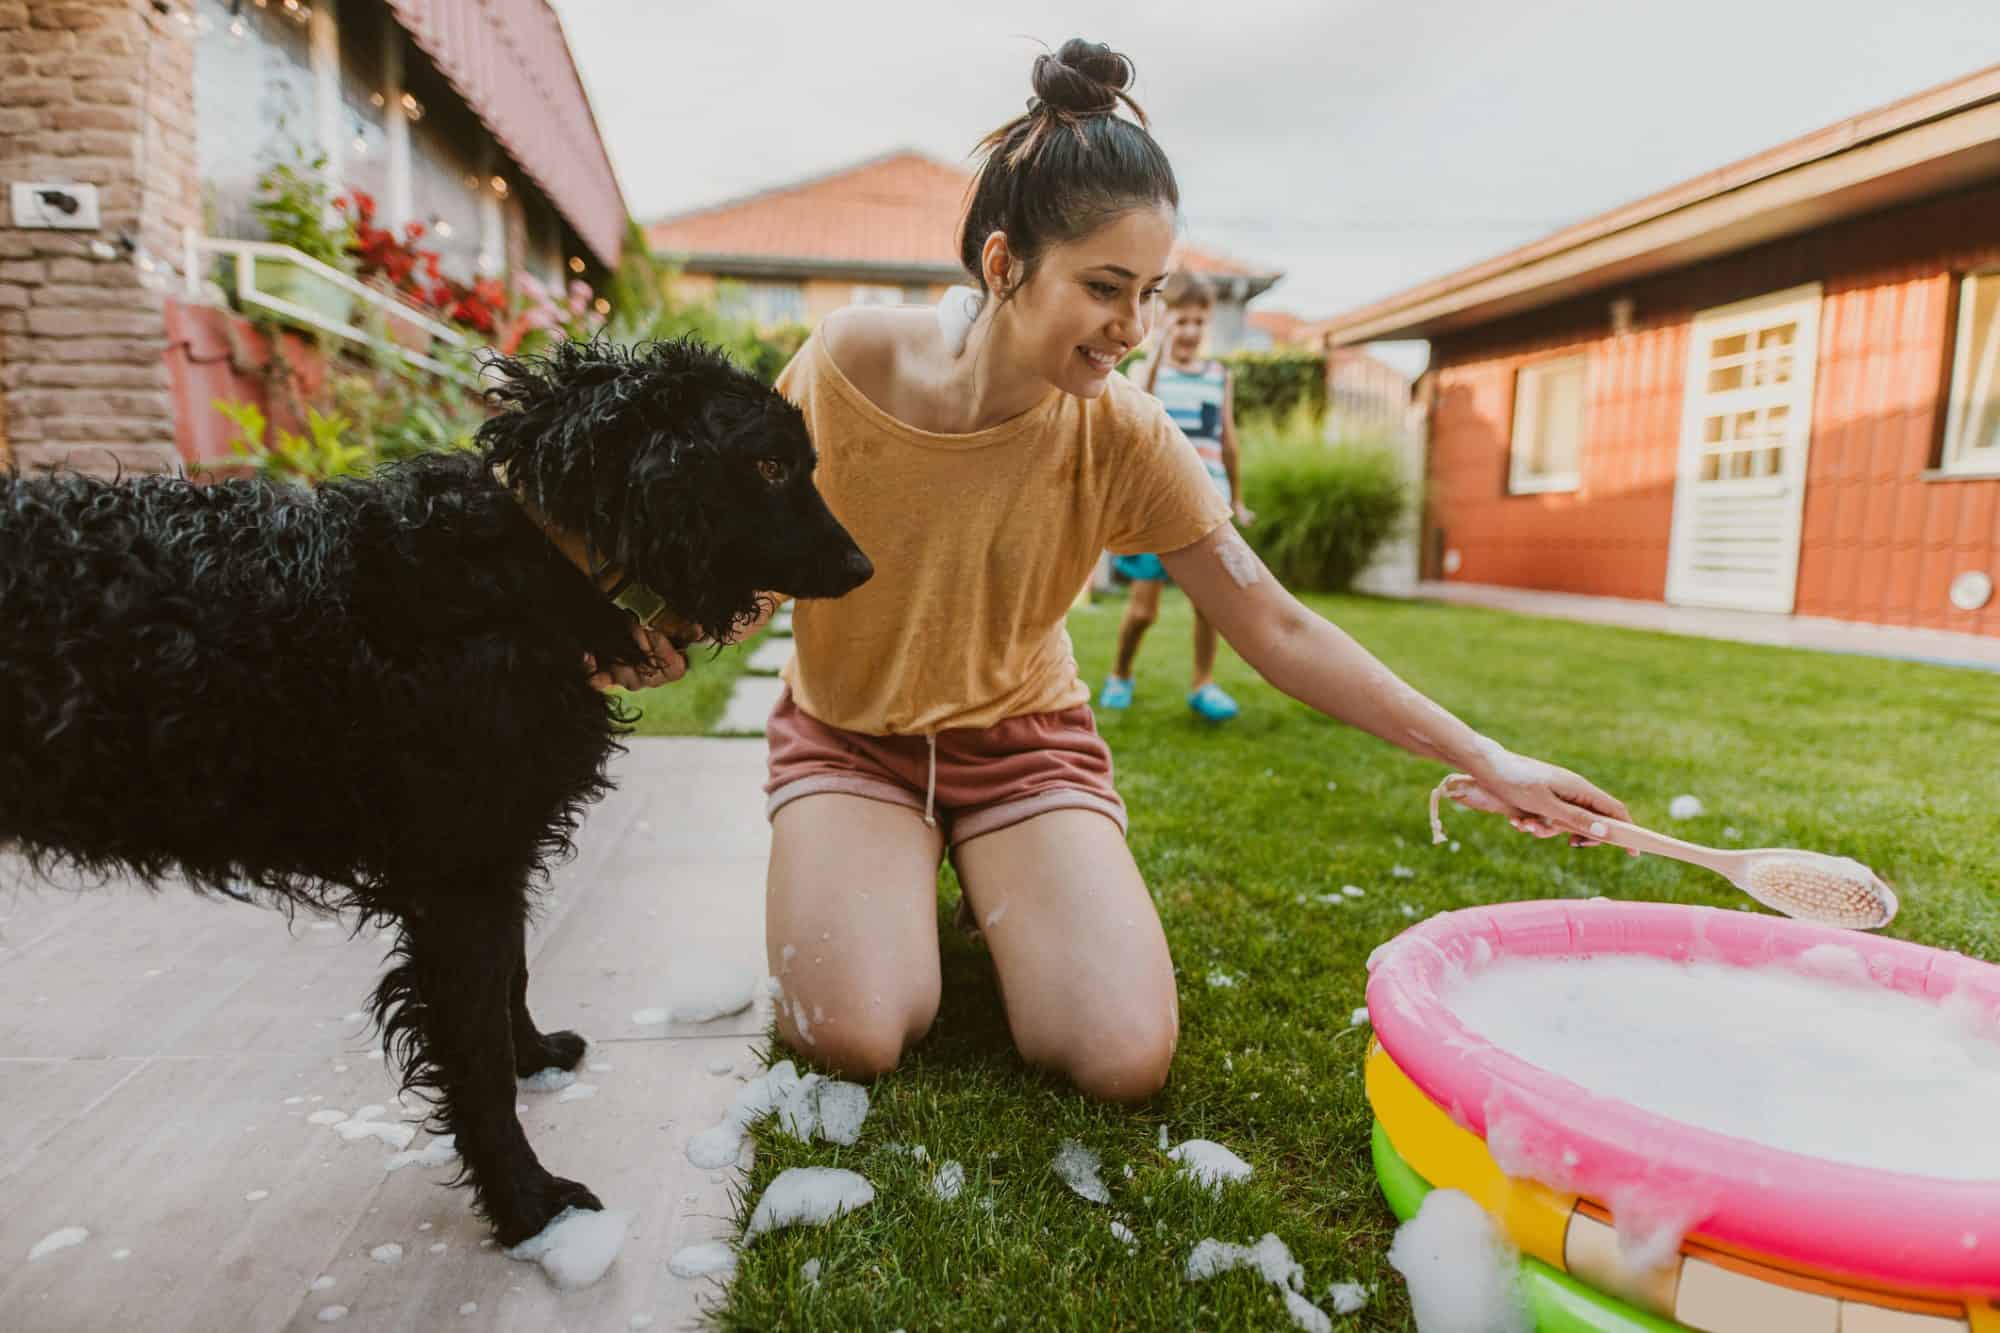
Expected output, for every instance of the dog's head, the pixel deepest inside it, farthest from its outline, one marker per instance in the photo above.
(685, 470)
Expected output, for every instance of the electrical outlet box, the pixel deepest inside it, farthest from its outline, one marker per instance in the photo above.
(64, 206)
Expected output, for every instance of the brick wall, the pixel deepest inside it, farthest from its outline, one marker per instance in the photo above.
(99, 92)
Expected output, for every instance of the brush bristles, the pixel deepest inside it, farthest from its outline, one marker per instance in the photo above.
(1853, 899)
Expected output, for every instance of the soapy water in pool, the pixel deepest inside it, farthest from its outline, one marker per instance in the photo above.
(1813, 1058)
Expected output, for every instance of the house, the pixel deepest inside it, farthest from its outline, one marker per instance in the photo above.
(143, 126)
(1774, 387)
(880, 231)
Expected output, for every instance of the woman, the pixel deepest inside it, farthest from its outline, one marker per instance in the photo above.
(939, 707)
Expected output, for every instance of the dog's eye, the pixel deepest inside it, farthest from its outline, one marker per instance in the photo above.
(771, 470)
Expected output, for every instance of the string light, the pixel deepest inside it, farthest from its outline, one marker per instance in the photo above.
(603, 306)
(378, 99)
(500, 186)
(412, 106)
(575, 264)
(441, 227)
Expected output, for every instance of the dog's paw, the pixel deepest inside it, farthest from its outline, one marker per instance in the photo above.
(540, 1204)
(549, 1050)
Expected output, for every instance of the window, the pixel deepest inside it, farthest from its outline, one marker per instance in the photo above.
(1548, 426)
(764, 304)
(1972, 426)
(869, 293)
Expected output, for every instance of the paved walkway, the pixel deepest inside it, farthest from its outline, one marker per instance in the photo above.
(758, 688)
(160, 1057)
(1835, 636)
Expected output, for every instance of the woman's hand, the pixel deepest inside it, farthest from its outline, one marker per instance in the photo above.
(1539, 798)
(1245, 515)
(669, 663)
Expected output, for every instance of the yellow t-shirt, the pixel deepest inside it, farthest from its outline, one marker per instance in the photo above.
(981, 543)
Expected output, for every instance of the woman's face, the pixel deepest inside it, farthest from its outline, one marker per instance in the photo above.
(1187, 330)
(1092, 300)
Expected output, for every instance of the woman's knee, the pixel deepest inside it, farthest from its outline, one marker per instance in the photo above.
(1124, 1059)
(860, 1045)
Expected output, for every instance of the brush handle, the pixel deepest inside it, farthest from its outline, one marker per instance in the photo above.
(1633, 838)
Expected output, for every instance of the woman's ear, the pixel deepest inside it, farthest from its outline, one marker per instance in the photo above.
(998, 265)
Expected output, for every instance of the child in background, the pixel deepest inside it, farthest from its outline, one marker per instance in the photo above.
(1198, 394)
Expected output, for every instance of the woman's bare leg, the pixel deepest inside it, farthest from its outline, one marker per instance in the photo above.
(1083, 963)
(851, 930)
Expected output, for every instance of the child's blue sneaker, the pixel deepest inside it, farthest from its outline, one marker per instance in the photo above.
(1117, 693)
(1211, 704)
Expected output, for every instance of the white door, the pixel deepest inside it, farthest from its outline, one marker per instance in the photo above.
(1741, 485)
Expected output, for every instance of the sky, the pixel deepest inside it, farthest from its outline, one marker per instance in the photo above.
(1360, 146)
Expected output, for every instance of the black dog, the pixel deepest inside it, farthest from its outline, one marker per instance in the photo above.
(371, 695)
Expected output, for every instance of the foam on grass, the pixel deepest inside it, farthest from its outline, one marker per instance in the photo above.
(1209, 1164)
(808, 1196)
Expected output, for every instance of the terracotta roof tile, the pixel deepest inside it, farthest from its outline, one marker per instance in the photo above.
(900, 208)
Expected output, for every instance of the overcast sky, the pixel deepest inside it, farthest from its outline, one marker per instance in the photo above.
(1358, 145)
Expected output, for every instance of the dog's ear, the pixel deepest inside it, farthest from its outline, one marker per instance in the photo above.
(571, 424)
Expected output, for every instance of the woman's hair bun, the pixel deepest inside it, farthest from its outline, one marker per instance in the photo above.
(1083, 78)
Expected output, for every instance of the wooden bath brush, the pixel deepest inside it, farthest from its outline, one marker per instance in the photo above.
(1811, 886)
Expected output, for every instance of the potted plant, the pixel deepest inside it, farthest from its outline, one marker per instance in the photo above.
(293, 202)
(393, 264)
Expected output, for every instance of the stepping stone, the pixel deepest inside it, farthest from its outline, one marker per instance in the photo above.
(771, 656)
(750, 706)
(781, 624)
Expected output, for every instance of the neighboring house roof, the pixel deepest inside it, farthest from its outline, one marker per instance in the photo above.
(511, 63)
(895, 217)
(1286, 329)
(1939, 139)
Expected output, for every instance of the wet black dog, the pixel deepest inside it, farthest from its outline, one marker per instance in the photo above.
(371, 696)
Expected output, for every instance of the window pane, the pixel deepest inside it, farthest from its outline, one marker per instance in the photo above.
(253, 105)
(1976, 394)
(1549, 421)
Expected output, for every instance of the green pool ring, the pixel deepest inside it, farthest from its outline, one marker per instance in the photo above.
(1557, 1302)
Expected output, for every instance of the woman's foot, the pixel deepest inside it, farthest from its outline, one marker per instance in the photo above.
(1211, 704)
(1116, 694)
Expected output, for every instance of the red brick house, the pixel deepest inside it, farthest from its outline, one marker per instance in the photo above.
(883, 231)
(465, 115)
(1775, 387)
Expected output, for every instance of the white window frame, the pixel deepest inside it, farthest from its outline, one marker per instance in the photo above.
(1521, 481)
(1972, 385)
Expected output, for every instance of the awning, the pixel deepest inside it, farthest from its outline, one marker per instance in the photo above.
(511, 63)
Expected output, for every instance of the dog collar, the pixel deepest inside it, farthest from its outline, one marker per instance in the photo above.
(626, 593)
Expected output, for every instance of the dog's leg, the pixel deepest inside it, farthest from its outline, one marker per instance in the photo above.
(535, 1050)
(445, 1013)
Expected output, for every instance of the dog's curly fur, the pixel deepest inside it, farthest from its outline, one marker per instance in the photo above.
(369, 697)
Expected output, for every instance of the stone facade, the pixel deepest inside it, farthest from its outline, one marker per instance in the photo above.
(97, 92)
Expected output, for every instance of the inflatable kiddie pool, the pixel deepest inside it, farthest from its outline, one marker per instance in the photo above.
(1686, 1117)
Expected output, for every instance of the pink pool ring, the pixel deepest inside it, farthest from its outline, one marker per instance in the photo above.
(1881, 1228)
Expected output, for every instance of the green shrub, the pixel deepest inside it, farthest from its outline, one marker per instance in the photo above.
(1322, 509)
(1277, 384)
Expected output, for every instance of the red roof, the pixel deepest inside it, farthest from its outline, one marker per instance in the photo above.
(511, 63)
(1287, 329)
(898, 210)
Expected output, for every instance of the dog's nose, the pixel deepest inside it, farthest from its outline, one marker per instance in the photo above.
(857, 568)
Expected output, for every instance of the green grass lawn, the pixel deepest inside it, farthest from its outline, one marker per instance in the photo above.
(1237, 830)
(694, 703)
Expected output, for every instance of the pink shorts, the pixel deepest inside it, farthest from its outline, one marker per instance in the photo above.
(975, 779)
